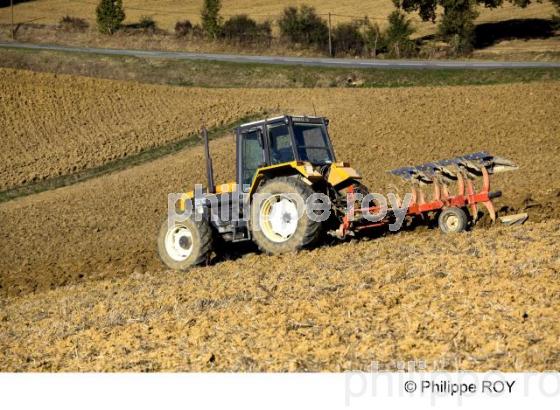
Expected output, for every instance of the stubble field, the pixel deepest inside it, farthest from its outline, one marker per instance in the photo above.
(82, 288)
(167, 13)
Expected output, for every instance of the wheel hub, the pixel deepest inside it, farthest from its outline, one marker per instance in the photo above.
(279, 218)
(452, 222)
(179, 243)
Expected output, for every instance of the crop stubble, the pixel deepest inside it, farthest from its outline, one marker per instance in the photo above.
(369, 300)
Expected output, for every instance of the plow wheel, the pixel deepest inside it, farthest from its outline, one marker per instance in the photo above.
(452, 220)
(279, 219)
(184, 244)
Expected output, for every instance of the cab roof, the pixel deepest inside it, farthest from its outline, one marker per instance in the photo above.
(285, 118)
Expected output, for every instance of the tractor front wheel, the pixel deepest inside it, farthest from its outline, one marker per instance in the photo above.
(184, 244)
(281, 220)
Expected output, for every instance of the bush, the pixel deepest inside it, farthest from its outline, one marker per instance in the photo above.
(183, 28)
(70, 23)
(147, 23)
(110, 15)
(347, 39)
(210, 16)
(244, 29)
(397, 40)
(304, 26)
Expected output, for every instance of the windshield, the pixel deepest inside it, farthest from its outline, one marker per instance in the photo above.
(312, 143)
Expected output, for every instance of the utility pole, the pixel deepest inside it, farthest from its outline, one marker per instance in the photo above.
(12, 10)
(375, 45)
(330, 36)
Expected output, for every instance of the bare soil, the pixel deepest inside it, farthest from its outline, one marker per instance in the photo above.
(82, 287)
(55, 126)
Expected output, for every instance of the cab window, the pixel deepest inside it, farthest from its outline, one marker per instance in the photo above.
(281, 149)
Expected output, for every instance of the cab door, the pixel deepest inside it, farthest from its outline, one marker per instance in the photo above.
(251, 155)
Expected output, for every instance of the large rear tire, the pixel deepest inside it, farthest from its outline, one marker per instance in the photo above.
(184, 244)
(281, 223)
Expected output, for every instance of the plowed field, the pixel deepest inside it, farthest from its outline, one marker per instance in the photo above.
(83, 289)
(54, 127)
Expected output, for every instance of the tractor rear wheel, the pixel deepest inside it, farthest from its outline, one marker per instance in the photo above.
(184, 244)
(452, 220)
(280, 216)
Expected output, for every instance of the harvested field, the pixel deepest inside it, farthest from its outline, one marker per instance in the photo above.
(83, 289)
(483, 301)
(167, 13)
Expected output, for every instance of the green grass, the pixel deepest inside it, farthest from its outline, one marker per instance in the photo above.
(239, 75)
(122, 163)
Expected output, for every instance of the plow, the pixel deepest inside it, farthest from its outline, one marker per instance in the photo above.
(286, 167)
(461, 171)
(456, 207)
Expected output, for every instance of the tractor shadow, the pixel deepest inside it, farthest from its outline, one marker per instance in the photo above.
(232, 251)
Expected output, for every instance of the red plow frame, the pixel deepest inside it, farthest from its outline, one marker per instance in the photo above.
(466, 196)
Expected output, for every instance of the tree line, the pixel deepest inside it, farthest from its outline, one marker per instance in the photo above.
(304, 26)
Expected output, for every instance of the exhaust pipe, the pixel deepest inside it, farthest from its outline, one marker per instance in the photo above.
(209, 168)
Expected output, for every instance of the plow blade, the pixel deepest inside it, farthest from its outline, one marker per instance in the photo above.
(459, 171)
(447, 170)
(517, 219)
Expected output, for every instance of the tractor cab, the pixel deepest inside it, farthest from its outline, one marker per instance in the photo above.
(281, 140)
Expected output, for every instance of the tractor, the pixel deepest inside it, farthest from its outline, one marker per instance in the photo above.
(284, 161)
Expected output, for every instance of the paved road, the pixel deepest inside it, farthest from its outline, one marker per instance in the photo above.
(308, 61)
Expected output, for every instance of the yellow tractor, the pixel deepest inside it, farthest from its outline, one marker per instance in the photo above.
(289, 164)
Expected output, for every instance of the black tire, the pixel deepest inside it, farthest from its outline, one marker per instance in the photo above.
(200, 243)
(452, 220)
(307, 231)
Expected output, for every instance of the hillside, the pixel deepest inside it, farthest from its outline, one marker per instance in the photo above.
(82, 287)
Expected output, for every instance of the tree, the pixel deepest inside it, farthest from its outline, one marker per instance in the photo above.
(457, 25)
(427, 8)
(110, 15)
(211, 20)
(397, 35)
